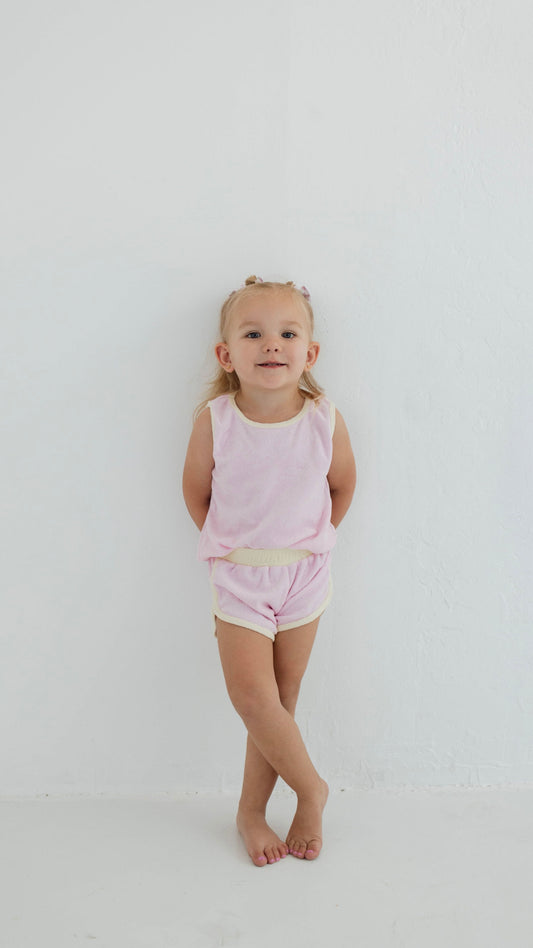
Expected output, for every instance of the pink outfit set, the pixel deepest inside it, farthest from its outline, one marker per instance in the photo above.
(268, 534)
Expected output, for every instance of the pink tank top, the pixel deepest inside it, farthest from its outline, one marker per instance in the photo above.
(269, 486)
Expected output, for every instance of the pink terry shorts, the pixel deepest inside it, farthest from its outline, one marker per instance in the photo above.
(271, 598)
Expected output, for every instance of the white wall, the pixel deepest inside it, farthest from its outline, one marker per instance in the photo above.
(155, 154)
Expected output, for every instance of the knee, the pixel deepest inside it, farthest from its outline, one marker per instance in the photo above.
(288, 694)
(251, 702)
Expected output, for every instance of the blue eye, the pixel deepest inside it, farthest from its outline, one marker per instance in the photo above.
(288, 335)
(253, 335)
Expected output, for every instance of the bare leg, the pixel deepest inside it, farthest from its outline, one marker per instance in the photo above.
(262, 843)
(263, 683)
(259, 779)
(291, 652)
(291, 655)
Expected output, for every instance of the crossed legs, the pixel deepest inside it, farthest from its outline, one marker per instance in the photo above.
(263, 680)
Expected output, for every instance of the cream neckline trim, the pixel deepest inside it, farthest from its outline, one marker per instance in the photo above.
(270, 424)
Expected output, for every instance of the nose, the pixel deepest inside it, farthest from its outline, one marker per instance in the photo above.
(271, 344)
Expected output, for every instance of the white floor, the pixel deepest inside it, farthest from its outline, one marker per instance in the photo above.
(420, 869)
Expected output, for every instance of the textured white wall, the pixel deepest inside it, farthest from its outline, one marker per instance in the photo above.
(154, 155)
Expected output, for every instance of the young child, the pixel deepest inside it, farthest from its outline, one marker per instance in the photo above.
(269, 475)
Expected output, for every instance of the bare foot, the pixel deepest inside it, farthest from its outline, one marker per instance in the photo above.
(262, 843)
(304, 838)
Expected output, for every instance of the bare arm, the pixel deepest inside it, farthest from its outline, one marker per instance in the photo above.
(342, 474)
(198, 469)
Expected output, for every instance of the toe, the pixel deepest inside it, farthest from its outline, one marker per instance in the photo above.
(298, 848)
(313, 848)
(259, 859)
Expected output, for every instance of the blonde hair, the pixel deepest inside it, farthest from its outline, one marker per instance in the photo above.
(226, 382)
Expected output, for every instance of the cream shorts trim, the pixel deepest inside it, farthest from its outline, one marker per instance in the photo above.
(281, 628)
(271, 599)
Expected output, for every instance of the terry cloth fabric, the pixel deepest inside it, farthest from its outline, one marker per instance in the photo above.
(269, 482)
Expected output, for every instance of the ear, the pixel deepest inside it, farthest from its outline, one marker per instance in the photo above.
(223, 356)
(312, 354)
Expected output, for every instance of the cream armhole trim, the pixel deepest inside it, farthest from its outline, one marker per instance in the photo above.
(211, 412)
(332, 417)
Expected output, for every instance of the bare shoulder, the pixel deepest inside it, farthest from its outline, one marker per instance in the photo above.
(342, 469)
(198, 469)
(340, 428)
(200, 450)
(202, 428)
(341, 436)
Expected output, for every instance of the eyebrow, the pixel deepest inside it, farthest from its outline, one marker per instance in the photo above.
(251, 322)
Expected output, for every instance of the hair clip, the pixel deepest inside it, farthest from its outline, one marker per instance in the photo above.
(301, 289)
(251, 281)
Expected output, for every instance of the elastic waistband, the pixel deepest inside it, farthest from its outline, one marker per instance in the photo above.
(248, 557)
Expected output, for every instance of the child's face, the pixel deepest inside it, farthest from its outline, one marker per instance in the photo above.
(268, 342)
